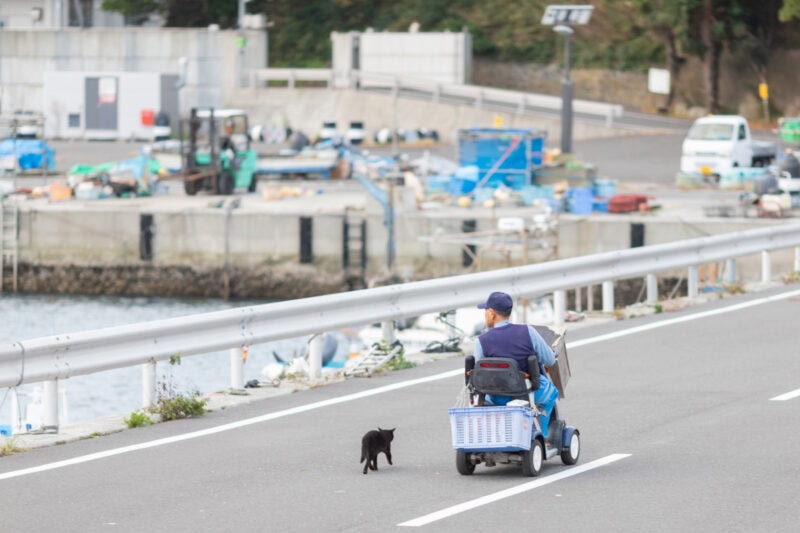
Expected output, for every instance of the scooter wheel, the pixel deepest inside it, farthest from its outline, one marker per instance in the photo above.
(463, 464)
(570, 454)
(533, 459)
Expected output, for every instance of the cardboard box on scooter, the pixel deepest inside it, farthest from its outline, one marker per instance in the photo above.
(560, 372)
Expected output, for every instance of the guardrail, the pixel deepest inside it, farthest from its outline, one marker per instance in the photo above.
(57, 357)
(520, 102)
(290, 75)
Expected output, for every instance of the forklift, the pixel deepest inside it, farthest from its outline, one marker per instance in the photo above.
(217, 157)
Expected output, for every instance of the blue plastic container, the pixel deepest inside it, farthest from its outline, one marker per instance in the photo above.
(434, 184)
(605, 188)
(483, 194)
(513, 153)
(580, 201)
(600, 205)
(532, 193)
(459, 186)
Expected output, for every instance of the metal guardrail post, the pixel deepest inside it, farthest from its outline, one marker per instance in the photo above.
(590, 298)
(291, 80)
(766, 266)
(797, 259)
(652, 289)
(149, 384)
(559, 307)
(691, 282)
(578, 299)
(237, 367)
(50, 406)
(387, 331)
(608, 296)
(315, 356)
(730, 271)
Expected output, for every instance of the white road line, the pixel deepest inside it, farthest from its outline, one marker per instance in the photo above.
(232, 425)
(368, 393)
(786, 396)
(513, 491)
(685, 318)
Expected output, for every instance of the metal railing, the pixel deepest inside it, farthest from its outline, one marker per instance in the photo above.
(58, 357)
(516, 101)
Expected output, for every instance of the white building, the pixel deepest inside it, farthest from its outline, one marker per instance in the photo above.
(50, 14)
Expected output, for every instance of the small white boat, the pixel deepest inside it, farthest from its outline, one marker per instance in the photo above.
(436, 332)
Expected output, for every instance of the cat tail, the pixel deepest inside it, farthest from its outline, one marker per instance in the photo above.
(364, 452)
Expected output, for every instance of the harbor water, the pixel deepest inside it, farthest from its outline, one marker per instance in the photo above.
(119, 391)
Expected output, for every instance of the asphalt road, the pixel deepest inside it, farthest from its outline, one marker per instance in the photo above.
(686, 405)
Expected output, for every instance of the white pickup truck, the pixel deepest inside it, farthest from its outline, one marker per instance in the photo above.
(717, 143)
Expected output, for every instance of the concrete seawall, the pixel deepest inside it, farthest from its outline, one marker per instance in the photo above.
(198, 247)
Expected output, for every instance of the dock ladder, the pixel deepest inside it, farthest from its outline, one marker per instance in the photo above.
(9, 241)
(354, 248)
(377, 356)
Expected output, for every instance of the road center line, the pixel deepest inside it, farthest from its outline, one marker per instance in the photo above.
(786, 396)
(371, 392)
(513, 491)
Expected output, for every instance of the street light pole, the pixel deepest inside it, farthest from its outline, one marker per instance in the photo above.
(566, 92)
(562, 18)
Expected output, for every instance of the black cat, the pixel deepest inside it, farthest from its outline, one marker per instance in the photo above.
(373, 443)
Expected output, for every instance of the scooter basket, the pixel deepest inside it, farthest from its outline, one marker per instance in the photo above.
(506, 428)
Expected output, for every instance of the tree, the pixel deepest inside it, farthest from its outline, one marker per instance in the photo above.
(135, 10)
(789, 10)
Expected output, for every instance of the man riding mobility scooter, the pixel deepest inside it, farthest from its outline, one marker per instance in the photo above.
(524, 431)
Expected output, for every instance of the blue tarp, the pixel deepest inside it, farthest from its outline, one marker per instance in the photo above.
(29, 153)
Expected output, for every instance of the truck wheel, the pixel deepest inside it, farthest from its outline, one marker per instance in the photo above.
(225, 183)
(533, 459)
(463, 464)
(190, 186)
(253, 183)
(570, 454)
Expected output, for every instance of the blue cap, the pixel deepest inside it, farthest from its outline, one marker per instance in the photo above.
(499, 301)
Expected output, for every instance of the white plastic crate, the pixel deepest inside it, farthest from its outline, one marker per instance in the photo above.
(497, 428)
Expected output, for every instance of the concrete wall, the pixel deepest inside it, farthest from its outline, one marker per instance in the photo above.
(25, 55)
(102, 235)
(441, 56)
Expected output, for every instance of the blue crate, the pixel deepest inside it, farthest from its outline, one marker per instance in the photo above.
(496, 428)
(579, 200)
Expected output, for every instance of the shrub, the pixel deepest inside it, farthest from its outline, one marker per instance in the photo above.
(138, 419)
(180, 406)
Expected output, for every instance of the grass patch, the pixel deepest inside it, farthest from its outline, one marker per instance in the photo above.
(734, 288)
(792, 277)
(658, 308)
(9, 446)
(180, 406)
(138, 419)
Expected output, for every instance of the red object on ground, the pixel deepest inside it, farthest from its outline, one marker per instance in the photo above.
(148, 117)
(628, 203)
